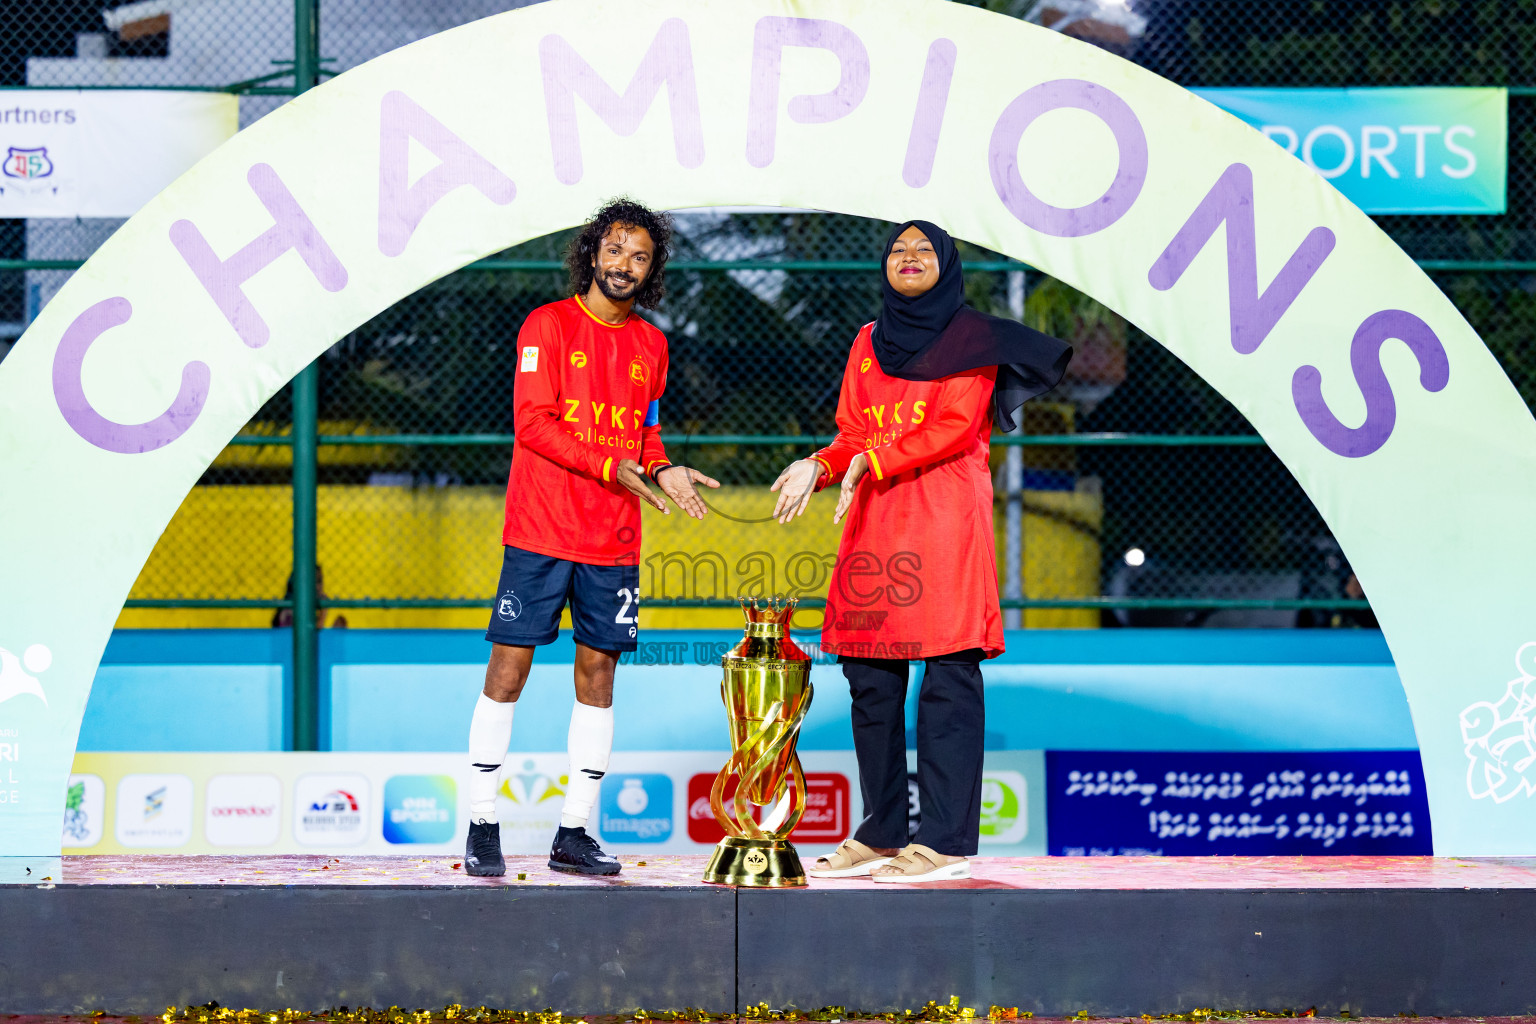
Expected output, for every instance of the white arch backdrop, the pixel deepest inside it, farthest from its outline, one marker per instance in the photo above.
(1355, 368)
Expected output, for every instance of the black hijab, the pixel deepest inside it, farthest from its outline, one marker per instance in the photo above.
(935, 334)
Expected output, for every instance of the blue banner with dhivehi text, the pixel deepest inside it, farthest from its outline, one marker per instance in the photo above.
(1245, 803)
(1410, 150)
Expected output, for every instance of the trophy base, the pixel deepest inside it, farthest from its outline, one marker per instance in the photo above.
(755, 864)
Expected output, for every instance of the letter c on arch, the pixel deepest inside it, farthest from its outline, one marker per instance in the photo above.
(82, 417)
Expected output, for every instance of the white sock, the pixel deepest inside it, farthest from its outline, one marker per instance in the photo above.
(590, 743)
(490, 734)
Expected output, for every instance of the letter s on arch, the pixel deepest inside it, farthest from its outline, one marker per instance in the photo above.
(122, 438)
(1365, 360)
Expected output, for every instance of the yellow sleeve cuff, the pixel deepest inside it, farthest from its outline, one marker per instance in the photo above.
(824, 465)
(874, 465)
(608, 470)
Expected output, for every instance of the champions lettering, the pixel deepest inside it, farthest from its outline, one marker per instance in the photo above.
(302, 226)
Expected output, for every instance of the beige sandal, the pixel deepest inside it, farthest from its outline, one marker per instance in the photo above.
(920, 864)
(851, 859)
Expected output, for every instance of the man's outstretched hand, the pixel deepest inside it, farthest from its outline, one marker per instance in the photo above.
(676, 482)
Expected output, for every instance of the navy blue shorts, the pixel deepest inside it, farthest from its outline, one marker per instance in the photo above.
(534, 589)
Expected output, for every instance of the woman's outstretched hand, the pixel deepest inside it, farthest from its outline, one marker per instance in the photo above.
(856, 470)
(795, 486)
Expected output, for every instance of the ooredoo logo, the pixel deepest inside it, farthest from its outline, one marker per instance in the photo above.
(243, 810)
(330, 810)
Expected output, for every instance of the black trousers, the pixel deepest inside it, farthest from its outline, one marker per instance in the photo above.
(951, 723)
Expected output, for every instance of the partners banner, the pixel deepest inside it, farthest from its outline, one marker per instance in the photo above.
(418, 803)
(1431, 150)
(103, 152)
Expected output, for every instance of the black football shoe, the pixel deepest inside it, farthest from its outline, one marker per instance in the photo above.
(577, 853)
(482, 850)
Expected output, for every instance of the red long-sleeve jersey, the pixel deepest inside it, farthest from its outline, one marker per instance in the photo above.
(916, 572)
(586, 398)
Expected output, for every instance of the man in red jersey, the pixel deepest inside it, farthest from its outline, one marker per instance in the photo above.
(590, 375)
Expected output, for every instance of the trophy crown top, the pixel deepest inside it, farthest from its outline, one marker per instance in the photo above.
(775, 609)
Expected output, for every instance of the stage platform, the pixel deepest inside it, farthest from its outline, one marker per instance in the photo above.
(1109, 936)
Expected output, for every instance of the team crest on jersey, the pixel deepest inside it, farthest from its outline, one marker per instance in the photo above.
(864, 366)
(508, 607)
(637, 372)
(578, 359)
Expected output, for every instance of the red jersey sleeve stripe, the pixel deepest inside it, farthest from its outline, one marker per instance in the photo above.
(874, 464)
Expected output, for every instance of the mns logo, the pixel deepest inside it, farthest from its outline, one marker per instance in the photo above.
(862, 620)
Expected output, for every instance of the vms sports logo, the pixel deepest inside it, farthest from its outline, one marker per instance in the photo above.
(27, 164)
(637, 808)
(419, 808)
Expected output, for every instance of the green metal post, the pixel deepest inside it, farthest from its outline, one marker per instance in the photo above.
(306, 429)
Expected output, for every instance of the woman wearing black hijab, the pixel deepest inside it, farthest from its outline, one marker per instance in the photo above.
(916, 572)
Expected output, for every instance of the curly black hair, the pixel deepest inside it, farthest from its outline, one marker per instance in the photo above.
(581, 253)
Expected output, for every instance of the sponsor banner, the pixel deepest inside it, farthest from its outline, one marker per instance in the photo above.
(636, 807)
(420, 809)
(1412, 150)
(407, 803)
(85, 811)
(243, 810)
(1013, 819)
(1252, 804)
(154, 810)
(103, 153)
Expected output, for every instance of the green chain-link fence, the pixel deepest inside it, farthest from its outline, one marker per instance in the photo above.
(1137, 495)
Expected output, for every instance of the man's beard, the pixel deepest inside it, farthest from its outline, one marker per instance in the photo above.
(617, 291)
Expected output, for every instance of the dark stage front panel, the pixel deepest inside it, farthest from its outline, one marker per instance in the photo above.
(1117, 952)
(138, 949)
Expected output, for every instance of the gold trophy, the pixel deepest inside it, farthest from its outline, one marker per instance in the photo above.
(767, 691)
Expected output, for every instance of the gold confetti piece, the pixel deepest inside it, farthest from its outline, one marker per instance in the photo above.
(641, 864)
(522, 876)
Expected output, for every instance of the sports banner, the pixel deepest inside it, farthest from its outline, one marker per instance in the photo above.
(103, 152)
(418, 803)
(1427, 150)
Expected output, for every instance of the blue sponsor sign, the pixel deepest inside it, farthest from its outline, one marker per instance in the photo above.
(1415, 150)
(637, 808)
(419, 808)
(1106, 803)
